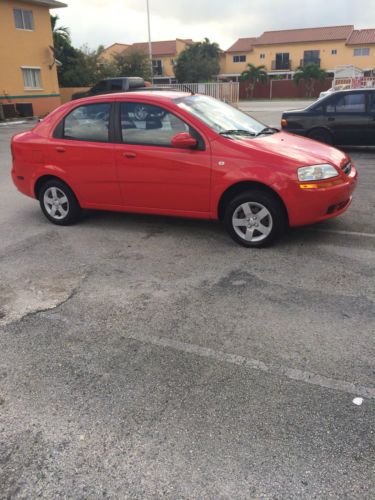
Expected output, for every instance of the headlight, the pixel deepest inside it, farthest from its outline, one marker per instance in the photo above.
(316, 172)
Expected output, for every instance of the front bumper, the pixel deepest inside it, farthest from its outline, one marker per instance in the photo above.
(307, 206)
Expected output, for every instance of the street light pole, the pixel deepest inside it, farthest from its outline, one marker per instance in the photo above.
(149, 39)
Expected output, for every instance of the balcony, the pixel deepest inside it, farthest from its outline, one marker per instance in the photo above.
(281, 65)
(314, 60)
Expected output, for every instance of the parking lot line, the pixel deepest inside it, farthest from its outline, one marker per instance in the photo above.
(290, 373)
(339, 231)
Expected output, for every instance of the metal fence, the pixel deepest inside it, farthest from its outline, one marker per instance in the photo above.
(361, 82)
(225, 91)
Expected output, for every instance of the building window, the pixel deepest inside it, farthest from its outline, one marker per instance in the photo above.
(238, 59)
(334, 52)
(23, 19)
(157, 67)
(361, 52)
(262, 56)
(31, 78)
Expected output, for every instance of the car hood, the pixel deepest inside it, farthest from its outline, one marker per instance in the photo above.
(296, 150)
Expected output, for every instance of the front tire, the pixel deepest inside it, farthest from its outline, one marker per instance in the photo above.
(58, 203)
(255, 218)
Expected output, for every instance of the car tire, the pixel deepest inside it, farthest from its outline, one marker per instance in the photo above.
(321, 135)
(58, 203)
(255, 218)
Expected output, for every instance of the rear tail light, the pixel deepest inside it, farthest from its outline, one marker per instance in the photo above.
(284, 123)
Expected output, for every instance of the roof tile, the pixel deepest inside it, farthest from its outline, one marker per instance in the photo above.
(163, 48)
(362, 37)
(242, 45)
(305, 35)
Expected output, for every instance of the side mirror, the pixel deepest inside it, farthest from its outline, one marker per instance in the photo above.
(183, 140)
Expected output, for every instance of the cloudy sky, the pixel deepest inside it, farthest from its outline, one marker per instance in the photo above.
(95, 22)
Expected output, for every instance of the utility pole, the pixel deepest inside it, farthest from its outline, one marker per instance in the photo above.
(149, 40)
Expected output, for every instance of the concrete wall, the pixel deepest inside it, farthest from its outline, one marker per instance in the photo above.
(67, 92)
(282, 89)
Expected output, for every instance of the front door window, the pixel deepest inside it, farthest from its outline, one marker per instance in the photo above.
(149, 125)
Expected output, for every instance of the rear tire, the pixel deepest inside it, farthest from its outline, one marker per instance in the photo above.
(321, 135)
(255, 218)
(58, 203)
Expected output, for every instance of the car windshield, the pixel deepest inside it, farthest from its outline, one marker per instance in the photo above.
(221, 117)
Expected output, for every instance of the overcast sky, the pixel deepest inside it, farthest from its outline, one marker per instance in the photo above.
(96, 22)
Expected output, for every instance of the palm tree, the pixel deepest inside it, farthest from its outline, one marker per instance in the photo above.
(253, 75)
(310, 73)
(61, 34)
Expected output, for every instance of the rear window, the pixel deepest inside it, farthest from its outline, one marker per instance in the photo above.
(115, 84)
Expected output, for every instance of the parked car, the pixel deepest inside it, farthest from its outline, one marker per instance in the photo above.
(112, 85)
(344, 118)
(185, 155)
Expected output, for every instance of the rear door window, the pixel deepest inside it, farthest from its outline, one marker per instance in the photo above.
(372, 102)
(88, 123)
(348, 103)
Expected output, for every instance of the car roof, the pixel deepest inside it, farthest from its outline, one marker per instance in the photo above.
(360, 89)
(159, 95)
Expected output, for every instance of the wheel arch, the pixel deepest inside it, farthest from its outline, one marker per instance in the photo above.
(242, 186)
(45, 178)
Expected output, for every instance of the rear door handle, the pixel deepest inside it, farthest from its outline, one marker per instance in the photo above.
(331, 119)
(60, 149)
(129, 154)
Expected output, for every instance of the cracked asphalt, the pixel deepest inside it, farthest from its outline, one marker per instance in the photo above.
(151, 357)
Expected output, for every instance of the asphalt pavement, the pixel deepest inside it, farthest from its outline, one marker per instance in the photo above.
(152, 357)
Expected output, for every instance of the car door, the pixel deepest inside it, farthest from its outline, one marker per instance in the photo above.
(371, 132)
(347, 118)
(82, 150)
(153, 175)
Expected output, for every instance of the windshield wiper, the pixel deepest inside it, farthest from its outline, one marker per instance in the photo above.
(268, 130)
(238, 132)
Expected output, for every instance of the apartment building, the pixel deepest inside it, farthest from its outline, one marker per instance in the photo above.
(283, 51)
(28, 67)
(164, 54)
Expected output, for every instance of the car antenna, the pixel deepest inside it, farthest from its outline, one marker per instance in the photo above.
(188, 89)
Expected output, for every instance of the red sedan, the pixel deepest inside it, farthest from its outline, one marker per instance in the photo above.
(181, 154)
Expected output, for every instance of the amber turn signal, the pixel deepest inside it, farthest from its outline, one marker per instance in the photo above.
(284, 123)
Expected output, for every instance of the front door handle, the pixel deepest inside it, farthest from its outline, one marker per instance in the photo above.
(60, 149)
(331, 119)
(129, 154)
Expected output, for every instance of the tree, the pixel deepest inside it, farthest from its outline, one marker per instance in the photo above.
(79, 67)
(199, 62)
(310, 73)
(61, 34)
(252, 75)
(131, 63)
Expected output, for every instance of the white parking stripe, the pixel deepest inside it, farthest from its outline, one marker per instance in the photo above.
(254, 364)
(338, 231)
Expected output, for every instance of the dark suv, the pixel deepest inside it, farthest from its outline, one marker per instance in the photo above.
(345, 118)
(111, 85)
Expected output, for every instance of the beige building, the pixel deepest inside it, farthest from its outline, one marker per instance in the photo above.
(28, 68)
(282, 52)
(164, 54)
